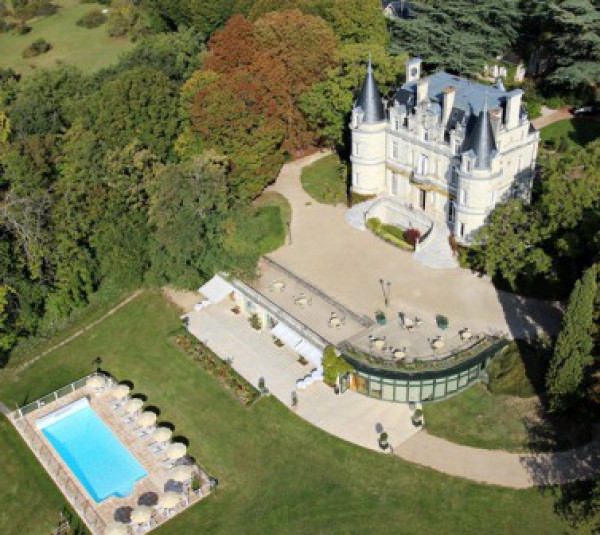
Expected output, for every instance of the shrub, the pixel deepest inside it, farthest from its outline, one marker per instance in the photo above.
(333, 365)
(39, 46)
(27, 9)
(412, 236)
(22, 29)
(255, 322)
(92, 19)
(394, 231)
(374, 224)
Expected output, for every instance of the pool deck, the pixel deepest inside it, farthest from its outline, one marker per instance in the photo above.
(114, 508)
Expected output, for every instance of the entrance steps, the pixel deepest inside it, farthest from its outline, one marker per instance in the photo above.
(436, 252)
(356, 216)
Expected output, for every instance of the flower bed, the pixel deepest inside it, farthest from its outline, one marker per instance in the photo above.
(394, 235)
(241, 389)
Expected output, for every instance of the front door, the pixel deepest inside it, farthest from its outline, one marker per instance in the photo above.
(422, 199)
(451, 211)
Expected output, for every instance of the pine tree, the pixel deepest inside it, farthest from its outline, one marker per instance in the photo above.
(572, 353)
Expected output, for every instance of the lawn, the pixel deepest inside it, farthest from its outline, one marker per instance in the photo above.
(88, 49)
(30, 501)
(266, 228)
(277, 473)
(325, 180)
(577, 131)
(481, 419)
(272, 198)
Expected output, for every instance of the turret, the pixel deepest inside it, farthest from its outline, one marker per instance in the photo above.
(368, 138)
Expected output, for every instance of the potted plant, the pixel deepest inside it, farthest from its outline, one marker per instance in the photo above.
(255, 322)
(195, 484)
(442, 322)
(383, 441)
(380, 317)
(417, 418)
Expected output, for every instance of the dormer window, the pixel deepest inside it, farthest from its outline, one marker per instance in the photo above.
(457, 146)
(426, 135)
(469, 166)
(395, 150)
(396, 124)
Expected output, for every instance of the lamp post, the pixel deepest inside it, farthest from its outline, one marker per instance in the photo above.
(385, 289)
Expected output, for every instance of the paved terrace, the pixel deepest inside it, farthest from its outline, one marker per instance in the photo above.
(253, 354)
(316, 309)
(155, 482)
(349, 263)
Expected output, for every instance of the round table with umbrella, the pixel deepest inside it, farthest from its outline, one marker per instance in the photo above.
(133, 405)
(181, 474)
(120, 391)
(146, 419)
(169, 500)
(162, 434)
(141, 514)
(116, 528)
(96, 381)
(176, 451)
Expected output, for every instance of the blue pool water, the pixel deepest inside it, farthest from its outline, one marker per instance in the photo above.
(101, 463)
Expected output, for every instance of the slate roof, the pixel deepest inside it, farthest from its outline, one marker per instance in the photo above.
(369, 99)
(481, 140)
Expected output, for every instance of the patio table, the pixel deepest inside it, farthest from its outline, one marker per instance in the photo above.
(335, 321)
(399, 354)
(437, 344)
(379, 344)
(302, 301)
(466, 335)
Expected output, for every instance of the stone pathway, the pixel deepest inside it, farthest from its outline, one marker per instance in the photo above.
(496, 467)
(553, 117)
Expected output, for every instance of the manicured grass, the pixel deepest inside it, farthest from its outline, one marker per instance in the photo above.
(577, 131)
(88, 49)
(266, 228)
(272, 198)
(325, 181)
(481, 419)
(277, 473)
(30, 502)
(518, 370)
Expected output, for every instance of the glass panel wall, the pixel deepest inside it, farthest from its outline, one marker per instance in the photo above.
(418, 390)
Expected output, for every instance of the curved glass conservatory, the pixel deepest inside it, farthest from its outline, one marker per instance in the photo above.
(425, 382)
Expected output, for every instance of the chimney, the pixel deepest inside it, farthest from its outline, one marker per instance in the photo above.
(422, 89)
(448, 103)
(513, 108)
(413, 69)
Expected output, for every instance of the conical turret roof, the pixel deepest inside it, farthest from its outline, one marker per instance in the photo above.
(481, 141)
(370, 99)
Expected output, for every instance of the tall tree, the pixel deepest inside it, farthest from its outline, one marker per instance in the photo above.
(328, 104)
(572, 353)
(458, 36)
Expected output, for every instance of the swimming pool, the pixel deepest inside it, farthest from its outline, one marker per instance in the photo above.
(89, 448)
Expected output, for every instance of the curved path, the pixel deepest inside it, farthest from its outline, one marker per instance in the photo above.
(497, 467)
(348, 263)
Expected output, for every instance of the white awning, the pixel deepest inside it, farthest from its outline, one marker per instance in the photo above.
(288, 336)
(216, 289)
(310, 352)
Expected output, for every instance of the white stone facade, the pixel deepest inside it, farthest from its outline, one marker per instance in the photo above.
(448, 146)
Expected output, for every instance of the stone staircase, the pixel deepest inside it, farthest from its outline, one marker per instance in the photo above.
(355, 216)
(436, 252)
